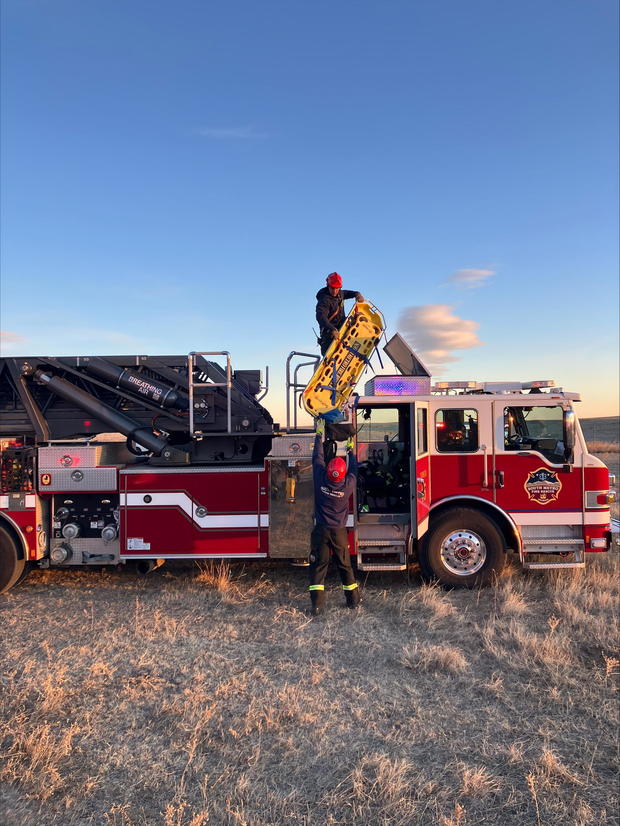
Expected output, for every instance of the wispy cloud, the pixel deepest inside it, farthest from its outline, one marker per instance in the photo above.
(435, 331)
(232, 132)
(9, 342)
(11, 338)
(55, 339)
(470, 279)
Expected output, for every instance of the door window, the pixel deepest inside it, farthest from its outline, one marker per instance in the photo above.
(456, 430)
(421, 431)
(535, 428)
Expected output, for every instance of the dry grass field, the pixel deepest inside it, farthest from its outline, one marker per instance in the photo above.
(207, 695)
(199, 696)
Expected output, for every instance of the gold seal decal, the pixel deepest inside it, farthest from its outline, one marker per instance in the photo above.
(543, 486)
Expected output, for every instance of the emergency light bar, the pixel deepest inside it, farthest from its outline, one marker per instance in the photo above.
(515, 386)
(529, 385)
(445, 387)
(457, 385)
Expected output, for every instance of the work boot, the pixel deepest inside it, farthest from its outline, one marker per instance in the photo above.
(317, 599)
(353, 598)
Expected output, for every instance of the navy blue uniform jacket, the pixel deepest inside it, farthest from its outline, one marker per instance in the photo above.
(330, 306)
(331, 502)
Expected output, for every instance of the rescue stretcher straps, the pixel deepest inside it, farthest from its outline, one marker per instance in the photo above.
(356, 353)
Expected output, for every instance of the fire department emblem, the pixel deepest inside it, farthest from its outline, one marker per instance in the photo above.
(543, 486)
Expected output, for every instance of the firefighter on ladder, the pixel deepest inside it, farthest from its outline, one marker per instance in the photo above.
(330, 309)
(333, 487)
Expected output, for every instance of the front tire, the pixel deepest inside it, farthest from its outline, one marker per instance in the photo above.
(463, 549)
(11, 564)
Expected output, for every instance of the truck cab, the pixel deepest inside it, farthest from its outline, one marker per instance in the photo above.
(462, 474)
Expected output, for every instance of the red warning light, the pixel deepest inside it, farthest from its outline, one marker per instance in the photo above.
(87, 423)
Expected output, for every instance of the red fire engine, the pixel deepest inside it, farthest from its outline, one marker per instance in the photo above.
(454, 474)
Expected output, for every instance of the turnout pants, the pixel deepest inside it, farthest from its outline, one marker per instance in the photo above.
(322, 541)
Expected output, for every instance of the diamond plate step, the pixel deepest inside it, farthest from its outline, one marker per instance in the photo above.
(553, 541)
(550, 546)
(381, 566)
(370, 548)
(381, 543)
(533, 566)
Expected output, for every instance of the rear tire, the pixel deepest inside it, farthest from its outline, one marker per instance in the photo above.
(28, 566)
(463, 549)
(11, 565)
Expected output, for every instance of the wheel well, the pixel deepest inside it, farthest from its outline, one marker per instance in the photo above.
(10, 528)
(507, 528)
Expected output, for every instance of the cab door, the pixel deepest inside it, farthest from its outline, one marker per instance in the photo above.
(394, 483)
(384, 452)
(421, 466)
(533, 478)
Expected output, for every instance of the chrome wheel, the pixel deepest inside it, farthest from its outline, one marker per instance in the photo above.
(463, 552)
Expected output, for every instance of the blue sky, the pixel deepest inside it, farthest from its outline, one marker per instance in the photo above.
(183, 176)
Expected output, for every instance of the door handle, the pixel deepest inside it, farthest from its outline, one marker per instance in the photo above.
(500, 478)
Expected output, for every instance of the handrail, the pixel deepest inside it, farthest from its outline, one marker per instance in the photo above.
(264, 389)
(485, 472)
(227, 384)
(295, 385)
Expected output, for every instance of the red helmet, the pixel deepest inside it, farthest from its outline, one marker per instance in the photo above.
(336, 469)
(334, 280)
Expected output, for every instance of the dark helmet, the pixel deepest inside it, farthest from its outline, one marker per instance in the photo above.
(336, 469)
(334, 280)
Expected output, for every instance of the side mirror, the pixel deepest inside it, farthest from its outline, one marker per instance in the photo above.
(569, 435)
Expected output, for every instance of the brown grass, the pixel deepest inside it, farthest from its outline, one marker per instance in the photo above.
(435, 658)
(208, 696)
(604, 447)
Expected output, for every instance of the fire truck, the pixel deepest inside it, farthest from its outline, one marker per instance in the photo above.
(139, 459)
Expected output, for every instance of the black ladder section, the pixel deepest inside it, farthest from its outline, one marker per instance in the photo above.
(172, 409)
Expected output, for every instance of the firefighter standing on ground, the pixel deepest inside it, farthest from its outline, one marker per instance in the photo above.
(330, 309)
(333, 488)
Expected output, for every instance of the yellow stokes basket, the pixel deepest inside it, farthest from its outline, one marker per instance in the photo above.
(336, 376)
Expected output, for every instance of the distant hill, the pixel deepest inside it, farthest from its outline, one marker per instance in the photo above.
(602, 429)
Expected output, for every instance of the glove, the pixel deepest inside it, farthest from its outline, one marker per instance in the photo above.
(359, 297)
(320, 427)
(334, 333)
(350, 444)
